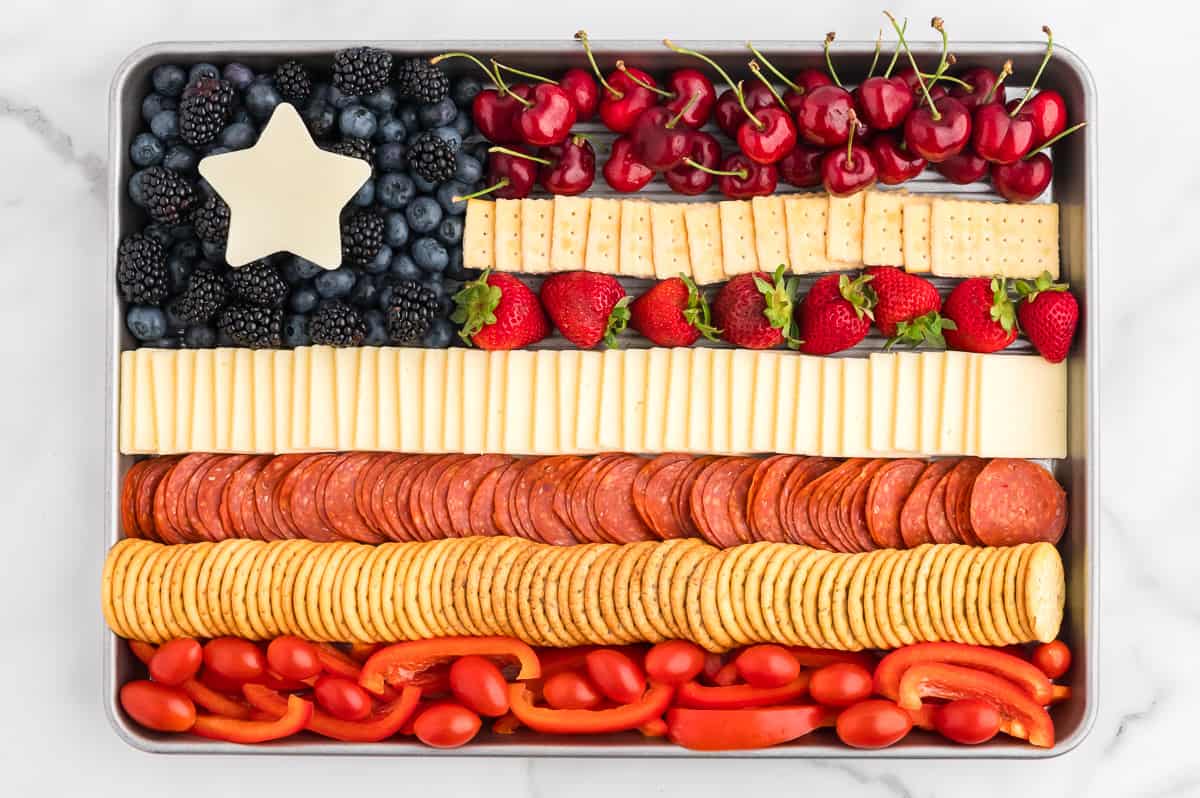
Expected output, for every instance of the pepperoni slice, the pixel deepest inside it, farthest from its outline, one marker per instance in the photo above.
(129, 486)
(211, 493)
(188, 508)
(298, 497)
(392, 503)
(739, 501)
(854, 506)
(546, 476)
(339, 498)
(579, 502)
(765, 490)
(812, 521)
(441, 494)
(710, 500)
(466, 479)
(935, 514)
(641, 483)
(239, 498)
(501, 507)
(519, 499)
(830, 513)
(266, 486)
(147, 487)
(914, 521)
(661, 513)
(174, 498)
(681, 495)
(794, 498)
(561, 501)
(885, 500)
(483, 498)
(616, 517)
(364, 488)
(958, 490)
(1016, 501)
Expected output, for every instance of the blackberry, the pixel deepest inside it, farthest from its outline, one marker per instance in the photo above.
(169, 197)
(418, 79)
(204, 296)
(212, 221)
(204, 110)
(356, 148)
(411, 311)
(142, 270)
(337, 324)
(256, 328)
(293, 82)
(362, 236)
(258, 284)
(361, 70)
(432, 158)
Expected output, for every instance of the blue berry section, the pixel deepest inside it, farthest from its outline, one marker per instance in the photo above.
(422, 224)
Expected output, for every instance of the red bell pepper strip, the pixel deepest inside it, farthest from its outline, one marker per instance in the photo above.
(922, 717)
(652, 704)
(417, 662)
(726, 676)
(739, 696)
(742, 729)
(820, 657)
(336, 662)
(143, 651)
(293, 721)
(381, 724)
(557, 660)
(215, 702)
(1022, 716)
(1060, 693)
(655, 727)
(361, 652)
(892, 667)
(506, 724)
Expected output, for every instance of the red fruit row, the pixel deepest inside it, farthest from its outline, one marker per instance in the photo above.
(850, 505)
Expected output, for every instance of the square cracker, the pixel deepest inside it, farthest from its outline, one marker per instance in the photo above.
(479, 235)
(1027, 240)
(637, 242)
(568, 248)
(883, 240)
(805, 218)
(977, 239)
(915, 233)
(770, 233)
(603, 236)
(844, 228)
(537, 233)
(669, 236)
(737, 237)
(507, 215)
(703, 223)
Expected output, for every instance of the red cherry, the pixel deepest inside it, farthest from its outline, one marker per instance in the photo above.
(802, 166)
(1025, 180)
(823, 118)
(805, 81)
(759, 96)
(1047, 111)
(884, 102)
(494, 113)
(618, 113)
(896, 163)
(936, 134)
(581, 87)
(659, 141)
(685, 84)
(548, 117)
(746, 178)
(688, 180)
(572, 167)
(999, 137)
(966, 167)
(510, 173)
(623, 171)
(981, 87)
(846, 171)
(769, 140)
(728, 113)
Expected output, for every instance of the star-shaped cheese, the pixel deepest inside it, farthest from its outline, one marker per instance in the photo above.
(285, 193)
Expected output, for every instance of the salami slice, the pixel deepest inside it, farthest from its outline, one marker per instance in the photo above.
(239, 496)
(546, 476)
(147, 487)
(854, 505)
(641, 483)
(442, 527)
(739, 501)
(211, 493)
(763, 501)
(885, 500)
(1016, 501)
(935, 514)
(460, 494)
(501, 506)
(914, 520)
(129, 486)
(681, 495)
(958, 489)
(616, 517)
(298, 498)
(661, 511)
(266, 490)
(339, 498)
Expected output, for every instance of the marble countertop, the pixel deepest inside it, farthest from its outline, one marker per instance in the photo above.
(56, 60)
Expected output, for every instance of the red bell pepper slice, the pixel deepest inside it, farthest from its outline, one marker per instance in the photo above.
(892, 667)
(820, 657)
(381, 724)
(361, 652)
(739, 696)
(743, 729)
(336, 662)
(1022, 716)
(143, 651)
(506, 724)
(1060, 693)
(922, 716)
(215, 702)
(655, 727)
(557, 660)
(417, 662)
(652, 704)
(727, 676)
(293, 721)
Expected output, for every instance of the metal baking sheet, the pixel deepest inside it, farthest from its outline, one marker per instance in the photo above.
(1074, 188)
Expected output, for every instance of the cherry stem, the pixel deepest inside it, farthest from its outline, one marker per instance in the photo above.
(875, 57)
(895, 54)
(519, 154)
(829, 37)
(696, 54)
(582, 36)
(504, 89)
(638, 81)
(1045, 60)
(579, 139)
(853, 118)
(493, 76)
(937, 24)
(523, 73)
(673, 121)
(504, 181)
(933, 111)
(774, 70)
(951, 79)
(758, 74)
(1005, 71)
(741, 98)
(1053, 139)
(740, 173)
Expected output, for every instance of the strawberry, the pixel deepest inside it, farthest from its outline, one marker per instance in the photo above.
(983, 315)
(673, 313)
(907, 309)
(587, 307)
(498, 311)
(836, 314)
(755, 310)
(1048, 314)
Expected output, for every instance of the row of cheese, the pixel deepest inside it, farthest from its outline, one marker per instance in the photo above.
(563, 402)
(806, 233)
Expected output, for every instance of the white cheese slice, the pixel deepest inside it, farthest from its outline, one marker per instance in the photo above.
(185, 381)
(633, 399)
(766, 393)
(699, 400)
(263, 368)
(933, 364)
(162, 364)
(366, 401)
(568, 398)
(856, 395)
(952, 437)
(126, 410)
(658, 378)
(410, 393)
(241, 425)
(545, 402)
(387, 415)
(223, 397)
(145, 435)
(831, 407)
(452, 402)
(518, 405)
(322, 399)
(722, 368)
(587, 422)
(679, 386)
(203, 438)
(787, 381)
(281, 373)
(809, 391)
(906, 429)
(433, 395)
(476, 400)
(612, 388)
(345, 371)
(1022, 407)
(882, 380)
(741, 398)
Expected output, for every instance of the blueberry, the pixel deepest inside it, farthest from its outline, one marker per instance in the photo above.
(165, 125)
(340, 100)
(238, 136)
(239, 75)
(430, 255)
(463, 124)
(169, 79)
(390, 157)
(303, 299)
(390, 129)
(447, 192)
(160, 233)
(365, 293)
(467, 168)
(423, 185)
(146, 150)
(213, 250)
(180, 158)
(441, 334)
(241, 115)
(146, 322)
(395, 190)
(320, 120)
(320, 93)
(423, 214)
(408, 115)
(202, 70)
(188, 249)
(377, 334)
(261, 99)
(395, 229)
(455, 270)
(296, 270)
(336, 283)
(154, 104)
(437, 114)
(366, 195)
(183, 232)
(357, 122)
(136, 192)
(449, 135)
(450, 231)
(434, 283)
(465, 89)
(295, 330)
(404, 267)
(178, 271)
(381, 262)
(218, 150)
(200, 336)
(382, 101)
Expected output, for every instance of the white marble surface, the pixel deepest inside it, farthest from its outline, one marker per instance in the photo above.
(55, 63)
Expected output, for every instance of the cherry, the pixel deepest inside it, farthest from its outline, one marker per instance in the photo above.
(759, 96)
(884, 102)
(942, 127)
(547, 117)
(799, 85)
(581, 87)
(846, 172)
(623, 171)
(624, 98)
(966, 167)
(802, 166)
(999, 136)
(1048, 112)
(769, 137)
(494, 110)
(980, 86)
(728, 113)
(1024, 180)
(658, 140)
(571, 168)
(510, 173)
(690, 177)
(824, 116)
(896, 163)
(741, 178)
(690, 94)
